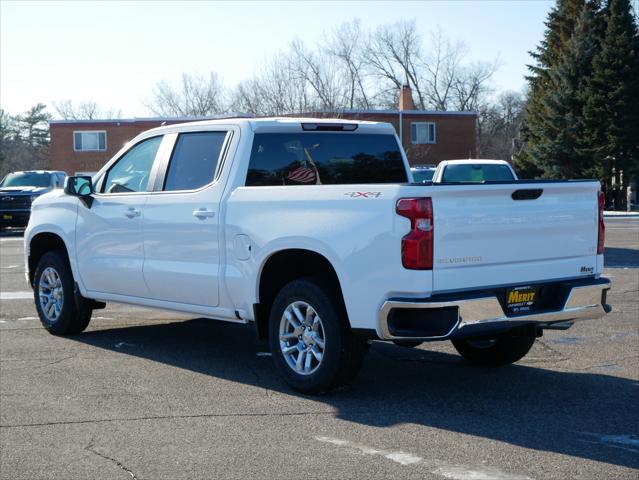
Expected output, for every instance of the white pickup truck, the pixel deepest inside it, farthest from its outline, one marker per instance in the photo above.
(473, 171)
(310, 230)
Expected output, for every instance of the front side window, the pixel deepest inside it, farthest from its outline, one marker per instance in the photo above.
(321, 158)
(90, 141)
(422, 133)
(194, 160)
(131, 172)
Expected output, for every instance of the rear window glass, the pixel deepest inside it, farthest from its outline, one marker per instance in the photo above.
(321, 158)
(26, 179)
(194, 160)
(476, 173)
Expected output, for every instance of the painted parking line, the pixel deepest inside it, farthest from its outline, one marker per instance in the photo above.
(435, 467)
(16, 295)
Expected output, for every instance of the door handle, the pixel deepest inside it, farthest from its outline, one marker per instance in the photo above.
(132, 212)
(203, 213)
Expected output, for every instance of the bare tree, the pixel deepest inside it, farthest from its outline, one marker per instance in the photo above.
(319, 73)
(471, 85)
(196, 96)
(499, 125)
(275, 89)
(437, 74)
(346, 45)
(85, 110)
(351, 68)
(393, 54)
(442, 69)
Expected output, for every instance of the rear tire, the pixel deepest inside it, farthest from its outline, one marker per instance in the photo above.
(54, 295)
(502, 350)
(313, 346)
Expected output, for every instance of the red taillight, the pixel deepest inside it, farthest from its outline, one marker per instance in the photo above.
(417, 245)
(602, 228)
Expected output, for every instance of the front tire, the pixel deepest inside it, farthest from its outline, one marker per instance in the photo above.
(53, 289)
(313, 346)
(502, 350)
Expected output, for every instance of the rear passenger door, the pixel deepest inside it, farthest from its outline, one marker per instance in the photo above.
(181, 221)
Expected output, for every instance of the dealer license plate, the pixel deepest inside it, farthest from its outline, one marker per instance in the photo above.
(521, 299)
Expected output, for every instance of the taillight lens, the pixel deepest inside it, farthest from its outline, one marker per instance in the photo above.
(602, 228)
(417, 245)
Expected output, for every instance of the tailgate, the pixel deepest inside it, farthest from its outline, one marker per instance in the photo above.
(485, 237)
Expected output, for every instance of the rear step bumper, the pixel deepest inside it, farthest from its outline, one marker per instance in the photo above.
(482, 313)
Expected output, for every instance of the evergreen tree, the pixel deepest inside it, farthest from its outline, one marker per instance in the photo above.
(34, 126)
(24, 140)
(564, 150)
(582, 118)
(560, 27)
(5, 134)
(612, 108)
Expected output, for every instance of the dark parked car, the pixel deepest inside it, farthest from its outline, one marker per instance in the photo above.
(423, 173)
(19, 189)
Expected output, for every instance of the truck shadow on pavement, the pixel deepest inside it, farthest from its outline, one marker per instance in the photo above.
(621, 257)
(589, 415)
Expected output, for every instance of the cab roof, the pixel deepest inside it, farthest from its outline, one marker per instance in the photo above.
(275, 124)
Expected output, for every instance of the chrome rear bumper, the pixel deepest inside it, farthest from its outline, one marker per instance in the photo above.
(483, 314)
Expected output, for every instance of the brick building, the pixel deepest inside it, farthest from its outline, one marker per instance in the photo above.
(427, 136)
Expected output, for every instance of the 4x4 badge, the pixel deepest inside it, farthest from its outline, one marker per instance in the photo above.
(363, 194)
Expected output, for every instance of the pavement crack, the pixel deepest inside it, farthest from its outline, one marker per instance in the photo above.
(90, 448)
(549, 348)
(170, 417)
(610, 363)
(258, 381)
(59, 361)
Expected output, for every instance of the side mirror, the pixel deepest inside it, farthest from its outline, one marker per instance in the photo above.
(80, 186)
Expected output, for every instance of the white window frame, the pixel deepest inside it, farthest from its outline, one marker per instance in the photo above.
(98, 132)
(429, 141)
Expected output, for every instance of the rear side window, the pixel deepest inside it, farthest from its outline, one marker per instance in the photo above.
(476, 173)
(194, 160)
(320, 158)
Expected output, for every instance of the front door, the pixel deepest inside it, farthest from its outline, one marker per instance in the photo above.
(109, 237)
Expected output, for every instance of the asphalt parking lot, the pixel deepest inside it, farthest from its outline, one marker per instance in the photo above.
(145, 394)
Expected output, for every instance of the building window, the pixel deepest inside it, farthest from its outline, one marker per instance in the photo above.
(422, 132)
(92, 141)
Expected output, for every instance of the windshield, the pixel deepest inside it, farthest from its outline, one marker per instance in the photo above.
(476, 173)
(423, 174)
(26, 179)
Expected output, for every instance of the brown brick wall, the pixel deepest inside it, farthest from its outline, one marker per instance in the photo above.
(63, 157)
(455, 138)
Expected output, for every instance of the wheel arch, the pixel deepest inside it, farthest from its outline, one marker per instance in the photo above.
(285, 265)
(40, 244)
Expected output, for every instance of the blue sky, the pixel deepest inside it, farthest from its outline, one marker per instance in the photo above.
(113, 52)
